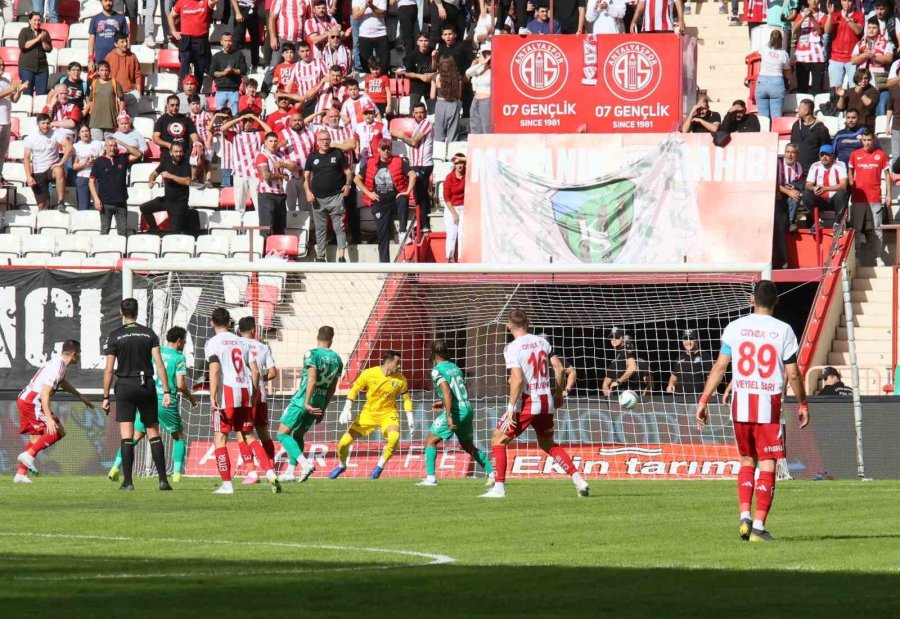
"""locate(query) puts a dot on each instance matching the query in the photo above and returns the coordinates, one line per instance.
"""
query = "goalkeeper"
(382, 385)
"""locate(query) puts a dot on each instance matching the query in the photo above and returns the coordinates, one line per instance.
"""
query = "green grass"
(634, 549)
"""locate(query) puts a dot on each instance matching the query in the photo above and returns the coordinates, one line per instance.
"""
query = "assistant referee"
(131, 350)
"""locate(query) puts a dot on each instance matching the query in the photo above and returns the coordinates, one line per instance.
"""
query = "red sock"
(223, 463)
(562, 458)
(259, 451)
(765, 490)
(269, 446)
(22, 470)
(246, 453)
(42, 443)
(745, 487)
(498, 461)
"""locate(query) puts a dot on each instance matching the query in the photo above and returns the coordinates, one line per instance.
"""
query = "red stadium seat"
(59, 34)
(226, 198)
(782, 125)
(285, 244)
(399, 86)
(10, 56)
(153, 151)
(14, 128)
(162, 220)
(168, 59)
(211, 103)
(403, 125)
(753, 60)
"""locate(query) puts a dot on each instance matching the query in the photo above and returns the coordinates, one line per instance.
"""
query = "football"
(627, 399)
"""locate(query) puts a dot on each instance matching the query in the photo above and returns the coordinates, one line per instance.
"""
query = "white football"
(627, 399)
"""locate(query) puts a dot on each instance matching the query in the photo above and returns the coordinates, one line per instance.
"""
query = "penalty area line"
(431, 558)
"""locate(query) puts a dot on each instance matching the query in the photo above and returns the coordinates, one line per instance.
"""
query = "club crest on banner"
(539, 70)
(595, 221)
(632, 71)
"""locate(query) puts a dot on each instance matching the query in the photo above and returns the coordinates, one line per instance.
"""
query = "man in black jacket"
(808, 134)
(832, 385)
(737, 120)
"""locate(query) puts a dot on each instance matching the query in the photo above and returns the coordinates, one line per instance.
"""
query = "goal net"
(406, 307)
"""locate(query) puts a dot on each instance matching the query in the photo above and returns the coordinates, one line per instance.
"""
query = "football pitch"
(75, 546)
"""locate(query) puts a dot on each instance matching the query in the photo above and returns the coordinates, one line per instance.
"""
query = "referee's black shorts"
(134, 395)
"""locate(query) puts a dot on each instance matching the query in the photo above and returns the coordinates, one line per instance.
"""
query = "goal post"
(404, 307)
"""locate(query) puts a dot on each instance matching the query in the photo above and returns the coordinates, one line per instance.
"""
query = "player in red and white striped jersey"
(308, 77)
(352, 109)
(296, 142)
(244, 139)
(260, 354)
(233, 383)
(657, 16)
(762, 350)
(317, 27)
(36, 417)
(531, 402)
(421, 148)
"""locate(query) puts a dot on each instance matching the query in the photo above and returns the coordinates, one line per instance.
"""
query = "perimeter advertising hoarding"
(622, 199)
(592, 84)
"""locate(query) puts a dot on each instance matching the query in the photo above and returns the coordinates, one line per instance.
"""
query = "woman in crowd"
(34, 43)
(479, 75)
(446, 89)
(775, 68)
(87, 151)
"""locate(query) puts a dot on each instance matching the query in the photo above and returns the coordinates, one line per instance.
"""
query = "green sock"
(430, 459)
(118, 461)
(484, 461)
(178, 449)
(291, 447)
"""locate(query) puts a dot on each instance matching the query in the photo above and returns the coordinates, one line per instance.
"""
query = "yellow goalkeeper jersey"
(381, 391)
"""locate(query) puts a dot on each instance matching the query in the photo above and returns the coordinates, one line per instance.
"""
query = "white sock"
(382, 461)
(430, 478)
(745, 515)
(270, 475)
(759, 524)
(302, 462)
(500, 486)
(578, 480)
(227, 485)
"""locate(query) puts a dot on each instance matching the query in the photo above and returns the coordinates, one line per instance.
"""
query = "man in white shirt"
(373, 39)
(826, 185)
(606, 16)
(43, 164)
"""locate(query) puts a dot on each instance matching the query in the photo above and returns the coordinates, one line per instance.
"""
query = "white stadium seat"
(203, 198)
(10, 246)
(19, 222)
(16, 150)
(209, 246)
(140, 193)
(143, 246)
(108, 247)
(52, 223)
(178, 246)
(163, 82)
(76, 246)
(251, 218)
(23, 105)
(144, 126)
(36, 246)
(239, 247)
(14, 172)
(222, 223)
(85, 223)
(140, 172)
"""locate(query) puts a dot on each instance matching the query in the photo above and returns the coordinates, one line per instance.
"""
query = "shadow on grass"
(320, 589)
(822, 538)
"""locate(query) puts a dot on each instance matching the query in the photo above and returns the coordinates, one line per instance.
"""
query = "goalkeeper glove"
(347, 413)
(410, 421)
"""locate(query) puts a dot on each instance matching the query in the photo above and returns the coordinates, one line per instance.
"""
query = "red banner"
(592, 84)
(667, 461)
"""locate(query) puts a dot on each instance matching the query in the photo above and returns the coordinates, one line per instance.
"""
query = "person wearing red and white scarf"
(809, 56)
(317, 27)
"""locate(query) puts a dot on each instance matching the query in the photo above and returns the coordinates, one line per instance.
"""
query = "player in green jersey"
(458, 417)
(321, 370)
(169, 416)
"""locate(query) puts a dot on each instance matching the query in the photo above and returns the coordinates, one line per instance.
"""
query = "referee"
(133, 349)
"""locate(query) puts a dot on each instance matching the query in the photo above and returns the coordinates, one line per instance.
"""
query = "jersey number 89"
(750, 358)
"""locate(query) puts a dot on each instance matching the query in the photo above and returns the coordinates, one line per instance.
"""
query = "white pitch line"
(433, 558)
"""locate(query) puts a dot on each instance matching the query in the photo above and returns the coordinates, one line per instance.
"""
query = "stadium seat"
(404, 106)
(27, 124)
(23, 106)
(226, 198)
(108, 247)
(286, 245)
(820, 100)
(250, 219)
(38, 103)
(140, 173)
(59, 34)
(239, 247)
(52, 223)
(69, 10)
(10, 55)
(399, 86)
(791, 101)
(162, 222)
(69, 54)
(203, 198)
(765, 124)
(222, 223)
(144, 126)
(11, 32)
(14, 129)
(209, 246)
(833, 123)
(10, 246)
(163, 82)
(153, 151)
(14, 172)
(143, 246)
(297, 220)
(19, 222)
(782, 125)
(881, 125)
(85, 223)
(76, 246)
(25, 200)
(16, 150)
(138, 194)
(178, 246)
(168, 60)
(89, 9)
(147, 106)
(146, 57)
(36, 246)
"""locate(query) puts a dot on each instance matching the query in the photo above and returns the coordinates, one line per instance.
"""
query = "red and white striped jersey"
(271, 160)
(289, 23)
(881, 46)
(340, 134)
(810, 47)
(245, 145)
(298, 145)
(352, 109)
(827, 177)
(235, 381)
(789, 172)
(307, 75)
(49, 375)
(758, 346)
(755, 11)
(421, 154)
(330, 96)
(201, 121)
(367, 132)
(531, 353)
(339, 56)
(261, 354)
(658, 16)
(317, 27)
(69, 111)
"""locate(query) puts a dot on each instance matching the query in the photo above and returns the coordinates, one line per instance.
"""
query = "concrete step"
(869, 320)
(880, 284)
(869, 296)
(866, 333)
(871, 359)
(862, 346)
(875, 272)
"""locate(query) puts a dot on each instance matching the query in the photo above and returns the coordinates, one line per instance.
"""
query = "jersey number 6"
(237, 359)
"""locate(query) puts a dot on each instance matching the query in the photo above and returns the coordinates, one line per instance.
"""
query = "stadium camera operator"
(832, 384)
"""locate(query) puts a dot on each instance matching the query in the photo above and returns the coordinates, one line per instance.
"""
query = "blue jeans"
(357, 63)
(228, 98)
(881, 108)
(792, 204)
(83, 193)
(52, 14)
(770, 95)
(836, 72)
(37, 82)
(226, 178)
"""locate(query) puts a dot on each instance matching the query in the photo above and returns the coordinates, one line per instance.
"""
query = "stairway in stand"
(721, 50)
